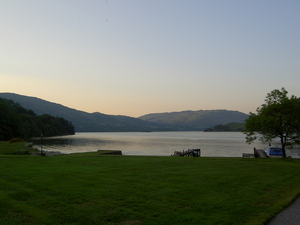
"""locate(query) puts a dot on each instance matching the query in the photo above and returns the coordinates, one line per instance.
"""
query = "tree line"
(16, 121)
(238, 127)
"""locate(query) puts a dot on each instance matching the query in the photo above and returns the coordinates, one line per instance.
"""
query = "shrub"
(16, 140)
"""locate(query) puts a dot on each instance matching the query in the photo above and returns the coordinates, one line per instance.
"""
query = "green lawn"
(99, 189)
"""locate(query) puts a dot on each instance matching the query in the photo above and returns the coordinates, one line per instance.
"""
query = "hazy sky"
(134, 57)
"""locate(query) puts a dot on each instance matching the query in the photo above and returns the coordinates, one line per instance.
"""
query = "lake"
(212, 144)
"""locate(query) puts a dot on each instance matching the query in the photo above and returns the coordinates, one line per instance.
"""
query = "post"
(42, 154)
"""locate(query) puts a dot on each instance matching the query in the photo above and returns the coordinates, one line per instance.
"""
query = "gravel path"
(289, 216)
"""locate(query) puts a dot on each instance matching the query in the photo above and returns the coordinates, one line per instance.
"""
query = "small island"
(233, 127)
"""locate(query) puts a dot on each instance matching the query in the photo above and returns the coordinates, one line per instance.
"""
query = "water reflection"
(217, 144)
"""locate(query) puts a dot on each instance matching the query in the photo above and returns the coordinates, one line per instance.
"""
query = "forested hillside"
(196, 120)
(99, 122)
(83, 121)
(16, 121)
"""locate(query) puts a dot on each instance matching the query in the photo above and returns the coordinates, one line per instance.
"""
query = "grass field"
(89, 188)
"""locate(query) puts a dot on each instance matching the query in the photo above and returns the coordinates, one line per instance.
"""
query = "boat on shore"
(271, 152)
(274, 152)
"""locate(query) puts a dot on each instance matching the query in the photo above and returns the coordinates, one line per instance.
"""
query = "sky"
(134, 57)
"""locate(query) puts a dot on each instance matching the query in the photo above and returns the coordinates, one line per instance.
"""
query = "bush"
(16, 140)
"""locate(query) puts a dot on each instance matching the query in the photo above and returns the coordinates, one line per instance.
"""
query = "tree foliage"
(16, 121)
(278, 117)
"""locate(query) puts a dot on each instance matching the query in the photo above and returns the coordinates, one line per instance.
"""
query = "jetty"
(258, 153)
(188, 153)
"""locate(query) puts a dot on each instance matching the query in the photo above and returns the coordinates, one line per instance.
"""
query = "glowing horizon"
(138, 57)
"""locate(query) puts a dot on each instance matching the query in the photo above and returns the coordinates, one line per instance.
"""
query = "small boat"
(274, 152)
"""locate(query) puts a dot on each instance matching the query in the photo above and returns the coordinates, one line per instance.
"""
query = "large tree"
(279, 118)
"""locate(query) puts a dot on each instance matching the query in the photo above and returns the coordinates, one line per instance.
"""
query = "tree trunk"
(283, 147)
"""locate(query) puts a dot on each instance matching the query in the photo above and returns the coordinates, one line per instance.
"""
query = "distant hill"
(196, 120)
(98, 122)
(83, 121)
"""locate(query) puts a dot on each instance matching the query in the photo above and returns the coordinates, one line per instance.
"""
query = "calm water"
(212, 144)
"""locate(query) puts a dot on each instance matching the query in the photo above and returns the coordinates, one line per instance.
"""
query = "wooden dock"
(258, 153)
(188, 153)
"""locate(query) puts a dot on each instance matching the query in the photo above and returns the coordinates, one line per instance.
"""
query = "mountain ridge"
(199, 119)
(83, 121)
(99, 122)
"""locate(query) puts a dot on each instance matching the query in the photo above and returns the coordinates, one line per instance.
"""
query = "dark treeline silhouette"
(16, 121)
(227, 127)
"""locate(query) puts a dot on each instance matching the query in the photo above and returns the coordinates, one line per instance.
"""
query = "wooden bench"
(248, 155)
